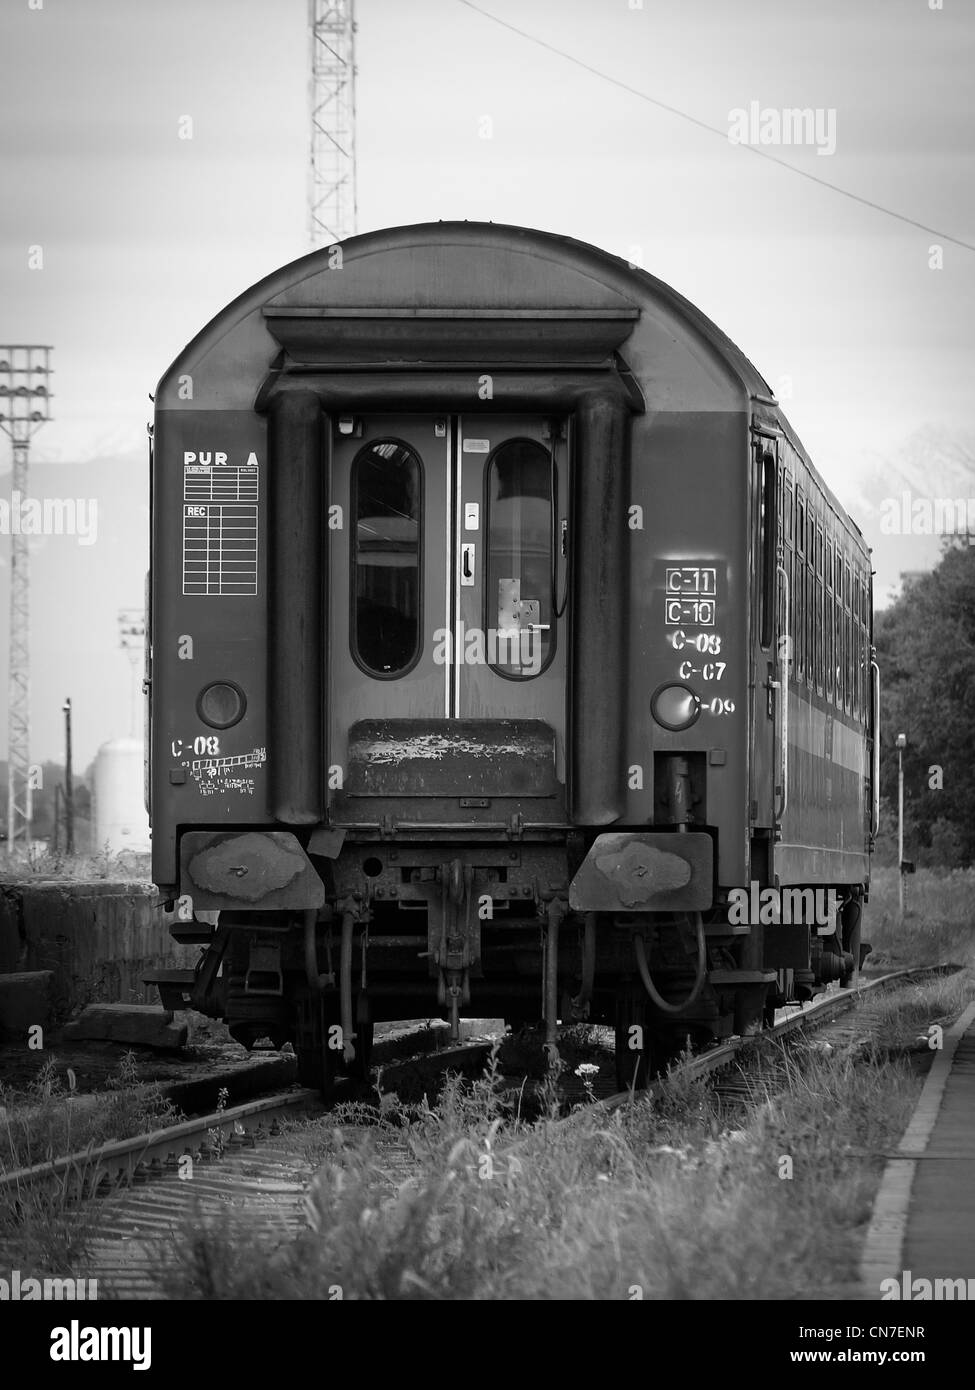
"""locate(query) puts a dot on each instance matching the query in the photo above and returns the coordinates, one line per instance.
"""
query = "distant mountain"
(901, 502)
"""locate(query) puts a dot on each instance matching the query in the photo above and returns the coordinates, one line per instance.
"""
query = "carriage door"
(511, 553)
(447, 573)
(389, 507)
(768, 624)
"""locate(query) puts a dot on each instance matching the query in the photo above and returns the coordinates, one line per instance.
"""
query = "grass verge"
(691, 1196)
(938, 924)
(39, 1229)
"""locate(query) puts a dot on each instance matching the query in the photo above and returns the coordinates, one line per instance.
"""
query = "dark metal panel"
(645, 872)
(786, 946)
(346, 337)
(296, 628)
(455, 757)
(600, 581)
(202, 630)
(260, 870)
(446, 390)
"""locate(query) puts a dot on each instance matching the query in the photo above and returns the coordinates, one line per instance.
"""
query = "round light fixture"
(221, 704)
(675, 707)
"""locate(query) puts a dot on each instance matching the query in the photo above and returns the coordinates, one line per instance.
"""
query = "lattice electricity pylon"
(132, 640)
(331, 185)
(25, 405)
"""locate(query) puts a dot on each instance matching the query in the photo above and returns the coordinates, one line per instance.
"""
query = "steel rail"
(820, 1012)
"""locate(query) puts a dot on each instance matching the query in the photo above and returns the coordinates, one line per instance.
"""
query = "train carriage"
(504, 642)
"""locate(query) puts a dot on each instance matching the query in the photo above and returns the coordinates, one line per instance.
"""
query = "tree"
(926, 650)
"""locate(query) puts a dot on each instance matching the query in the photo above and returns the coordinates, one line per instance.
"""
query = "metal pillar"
(132, 640)
(24, 407)
(332, 190)
(68, 782)
(901, 745)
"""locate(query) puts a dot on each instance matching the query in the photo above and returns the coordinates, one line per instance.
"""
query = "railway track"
(816, 1015)
(236, 1164)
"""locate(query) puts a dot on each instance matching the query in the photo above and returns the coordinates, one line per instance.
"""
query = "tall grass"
(40, 864)
(39, 1228)
(690, 1196)
(939, 921)
(47, 1120)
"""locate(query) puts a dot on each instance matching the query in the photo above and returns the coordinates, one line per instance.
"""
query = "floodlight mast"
(332, 171)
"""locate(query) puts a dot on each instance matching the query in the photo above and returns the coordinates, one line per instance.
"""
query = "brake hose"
(641, 964)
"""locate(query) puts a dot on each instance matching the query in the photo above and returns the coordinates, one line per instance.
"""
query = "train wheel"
(750, 1010)
(316, 1068)
(358, 1069)
(317, 1062)
(636, 1056)
(851, 918)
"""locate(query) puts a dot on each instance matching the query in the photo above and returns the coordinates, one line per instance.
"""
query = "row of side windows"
(830, 599)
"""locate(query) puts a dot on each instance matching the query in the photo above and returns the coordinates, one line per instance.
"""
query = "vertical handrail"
(785, 661)
(875, 769)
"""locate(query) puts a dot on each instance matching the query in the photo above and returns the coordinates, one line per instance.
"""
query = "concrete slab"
(142, 1025)
(26, 999)
(923, 1222)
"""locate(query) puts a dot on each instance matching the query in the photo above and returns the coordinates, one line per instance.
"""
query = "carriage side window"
(386, 503)
(829, 619)
(858, 630)
(864, 654)
(818, 615)
(798, 589)
(810, 599)
(840, 657)
(847, 634)
(767, 547)
(519, 574)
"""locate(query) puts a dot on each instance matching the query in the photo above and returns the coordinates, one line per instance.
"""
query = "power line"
(716, 130)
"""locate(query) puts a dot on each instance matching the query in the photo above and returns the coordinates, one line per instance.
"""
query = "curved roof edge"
(586, 257)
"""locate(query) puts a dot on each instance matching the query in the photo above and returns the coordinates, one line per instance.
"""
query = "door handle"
(467, 564)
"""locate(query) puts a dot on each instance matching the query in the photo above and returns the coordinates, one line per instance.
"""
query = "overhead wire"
(716, 130)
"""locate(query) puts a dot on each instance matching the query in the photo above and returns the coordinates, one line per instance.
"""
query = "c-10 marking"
(699, 611)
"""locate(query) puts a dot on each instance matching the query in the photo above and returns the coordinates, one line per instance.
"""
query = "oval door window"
(386, 507)
(518, 589)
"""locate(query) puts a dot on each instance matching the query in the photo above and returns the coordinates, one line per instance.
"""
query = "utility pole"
(901, 745)
(25, 405)
(68, 782)
(132, 640)
(331, 186)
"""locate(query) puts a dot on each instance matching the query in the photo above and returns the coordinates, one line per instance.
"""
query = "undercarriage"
(478, 929)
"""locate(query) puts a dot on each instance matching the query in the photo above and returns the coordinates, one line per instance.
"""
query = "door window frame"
(353, 529)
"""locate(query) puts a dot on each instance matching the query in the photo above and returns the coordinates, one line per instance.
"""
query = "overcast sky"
(145, 236)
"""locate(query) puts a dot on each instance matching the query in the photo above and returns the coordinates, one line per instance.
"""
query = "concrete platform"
(141, 1024)
(922, 1235)
(25, 1002)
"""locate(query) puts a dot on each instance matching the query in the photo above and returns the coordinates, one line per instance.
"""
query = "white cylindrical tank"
(119, 813)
